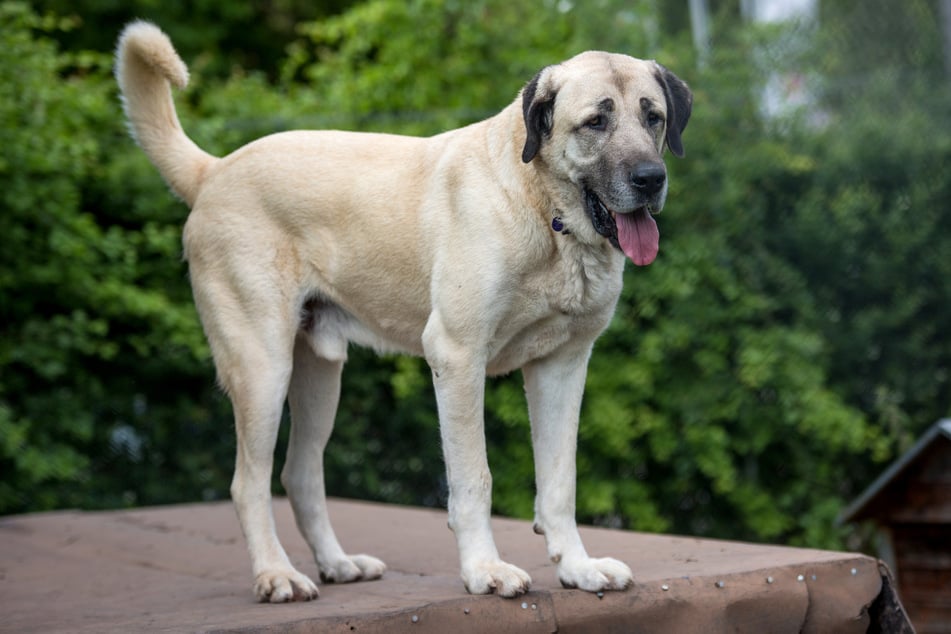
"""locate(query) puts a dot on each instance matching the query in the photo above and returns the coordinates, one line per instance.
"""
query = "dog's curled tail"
(146, 63)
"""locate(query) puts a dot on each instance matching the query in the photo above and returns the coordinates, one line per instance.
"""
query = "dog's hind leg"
(258, 400)
(313, 397)
(251, 332)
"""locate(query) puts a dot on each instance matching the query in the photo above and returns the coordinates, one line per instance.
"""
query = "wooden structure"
(911, 504)
(185, 569)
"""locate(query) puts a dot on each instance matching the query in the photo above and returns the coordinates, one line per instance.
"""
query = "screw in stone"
(813, 577)
(415, 619)
(665, 587)
(600, 595)
(769, 579)
(854, 572)
(534, 607)
(720, 584)
(524, 605)
(466, 611)
(800, 578)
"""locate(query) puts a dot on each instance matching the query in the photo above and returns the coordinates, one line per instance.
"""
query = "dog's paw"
(353, 568)
(283, 585)
(595, 575)
(496, 576)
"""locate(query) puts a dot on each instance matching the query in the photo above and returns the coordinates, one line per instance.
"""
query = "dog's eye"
(597, 122)
(654, 119)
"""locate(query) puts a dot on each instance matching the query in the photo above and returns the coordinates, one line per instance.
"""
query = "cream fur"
(301, 242)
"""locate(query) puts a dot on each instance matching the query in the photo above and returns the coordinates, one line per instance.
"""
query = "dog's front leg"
(554, 386)
(459, 379)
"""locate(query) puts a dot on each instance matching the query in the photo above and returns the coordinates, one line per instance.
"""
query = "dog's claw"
(595, 575)
(353, 568)
(504, 579)
(281, 586)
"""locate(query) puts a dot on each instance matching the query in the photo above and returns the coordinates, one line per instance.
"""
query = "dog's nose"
(648, 178)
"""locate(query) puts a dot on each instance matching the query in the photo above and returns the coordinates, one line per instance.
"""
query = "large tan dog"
(486, 249)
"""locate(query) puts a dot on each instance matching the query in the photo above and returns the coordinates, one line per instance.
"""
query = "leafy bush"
(99, 335)
(786, 343)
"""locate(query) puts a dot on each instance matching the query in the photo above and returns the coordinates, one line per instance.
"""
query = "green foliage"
(787, 342)
(370, 69)
(96, 321)
(217, 37)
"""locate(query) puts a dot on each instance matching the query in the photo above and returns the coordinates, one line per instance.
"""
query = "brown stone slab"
(185, 568)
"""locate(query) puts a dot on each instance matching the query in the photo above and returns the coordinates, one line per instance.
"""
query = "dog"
(486, 249)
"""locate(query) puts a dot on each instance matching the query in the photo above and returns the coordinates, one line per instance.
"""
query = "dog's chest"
(580, 280)
(573, 297)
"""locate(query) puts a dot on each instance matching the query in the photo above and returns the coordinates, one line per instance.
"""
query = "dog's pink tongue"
(638, 236)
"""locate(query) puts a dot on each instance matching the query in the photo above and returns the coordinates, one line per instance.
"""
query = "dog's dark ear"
(537, 108)
(679, 104)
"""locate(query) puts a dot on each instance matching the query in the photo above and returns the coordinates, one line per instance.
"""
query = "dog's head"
(596, 126)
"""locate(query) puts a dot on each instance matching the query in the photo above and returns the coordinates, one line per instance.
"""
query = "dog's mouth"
(634, 232)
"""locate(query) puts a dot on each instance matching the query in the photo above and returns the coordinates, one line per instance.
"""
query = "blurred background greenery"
(789, 341)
